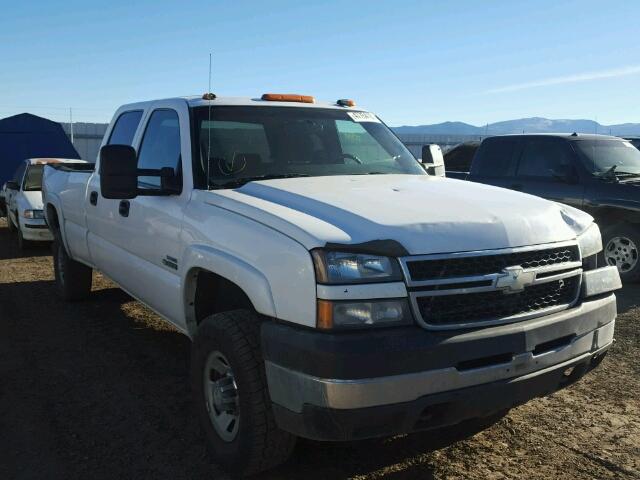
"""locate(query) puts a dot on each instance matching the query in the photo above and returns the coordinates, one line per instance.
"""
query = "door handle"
(516, 186)
(123, 208)
(93, 198)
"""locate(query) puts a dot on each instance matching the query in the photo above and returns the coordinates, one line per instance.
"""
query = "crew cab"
(599, 174)
(23, 199)
(332, 289)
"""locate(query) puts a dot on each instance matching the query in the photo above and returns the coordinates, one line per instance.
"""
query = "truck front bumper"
(35, 230)
(378, 383)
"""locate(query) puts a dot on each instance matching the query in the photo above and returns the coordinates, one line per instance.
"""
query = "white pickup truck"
(332, 289)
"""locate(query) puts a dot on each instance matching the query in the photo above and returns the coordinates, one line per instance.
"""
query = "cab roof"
(198, 101)
(568, 136)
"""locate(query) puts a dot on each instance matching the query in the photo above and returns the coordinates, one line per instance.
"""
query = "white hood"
(425, 214)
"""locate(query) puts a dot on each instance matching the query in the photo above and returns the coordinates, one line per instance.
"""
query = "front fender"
(254, 284)
(608, 211)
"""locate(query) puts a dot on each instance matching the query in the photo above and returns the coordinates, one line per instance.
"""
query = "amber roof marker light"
(288, 97)
(346, 102)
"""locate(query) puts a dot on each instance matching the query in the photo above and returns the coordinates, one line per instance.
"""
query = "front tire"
(73, 279)
(621, 248)
(22, 243)
(230, 389)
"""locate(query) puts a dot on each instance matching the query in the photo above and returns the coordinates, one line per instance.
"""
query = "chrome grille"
(472, 289)
(486, 264)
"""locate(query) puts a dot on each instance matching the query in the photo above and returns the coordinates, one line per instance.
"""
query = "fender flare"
(254, 284)
(54, 201)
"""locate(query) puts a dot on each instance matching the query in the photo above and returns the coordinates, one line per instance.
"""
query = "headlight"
(590, 241)
(342, 267)
(33, 214)
(372, 313)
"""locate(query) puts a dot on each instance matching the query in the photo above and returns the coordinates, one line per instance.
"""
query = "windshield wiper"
(614, 175)
(609, 174)
(238, 182)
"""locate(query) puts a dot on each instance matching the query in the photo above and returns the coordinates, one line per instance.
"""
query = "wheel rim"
(221, 396)
(621, 252)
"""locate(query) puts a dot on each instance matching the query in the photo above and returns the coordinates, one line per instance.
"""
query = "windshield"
(616, 157)
(33, 178)
(237, 144)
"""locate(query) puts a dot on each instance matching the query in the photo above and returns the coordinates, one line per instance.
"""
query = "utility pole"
(71, 123)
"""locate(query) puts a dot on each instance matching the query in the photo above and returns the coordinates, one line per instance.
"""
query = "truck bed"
(64, 186)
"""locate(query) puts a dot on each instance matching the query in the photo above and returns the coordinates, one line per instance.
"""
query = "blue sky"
(412, 62)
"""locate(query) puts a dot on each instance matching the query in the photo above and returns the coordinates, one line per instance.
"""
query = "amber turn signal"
(324, 316)
(288, 97)
(346, 102)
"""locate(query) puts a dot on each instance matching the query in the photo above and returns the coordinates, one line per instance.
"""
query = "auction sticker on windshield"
(363, 117)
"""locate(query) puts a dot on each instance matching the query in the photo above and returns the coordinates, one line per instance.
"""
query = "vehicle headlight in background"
(342, 268)
(33, 214)
(363, 313)
(590, 241)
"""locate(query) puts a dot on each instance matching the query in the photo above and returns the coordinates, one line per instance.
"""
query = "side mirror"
(432, 160)
(11, 185)
(118, 172)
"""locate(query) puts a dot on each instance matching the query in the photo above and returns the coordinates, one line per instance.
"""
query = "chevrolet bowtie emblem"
(514, 279)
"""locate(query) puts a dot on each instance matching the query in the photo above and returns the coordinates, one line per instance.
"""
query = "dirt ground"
(99, 389)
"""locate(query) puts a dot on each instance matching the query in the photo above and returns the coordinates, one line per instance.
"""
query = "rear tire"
(621, 248)
(238, 398)
(73, 279)
(10, 226)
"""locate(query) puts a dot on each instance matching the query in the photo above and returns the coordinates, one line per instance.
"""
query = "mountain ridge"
(520, 125)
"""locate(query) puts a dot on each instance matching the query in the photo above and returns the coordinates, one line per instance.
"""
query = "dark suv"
(596, 173)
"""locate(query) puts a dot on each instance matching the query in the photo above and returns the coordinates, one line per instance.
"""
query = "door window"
(545, 158)
(160, 146)
(125, 128)
(495, 157)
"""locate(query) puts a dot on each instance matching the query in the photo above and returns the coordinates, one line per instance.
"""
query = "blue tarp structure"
(29, 136)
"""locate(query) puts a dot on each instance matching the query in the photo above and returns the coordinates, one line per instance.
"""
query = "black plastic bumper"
(431, 411)
(402, 350)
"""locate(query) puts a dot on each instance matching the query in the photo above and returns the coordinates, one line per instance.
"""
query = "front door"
(547, 168)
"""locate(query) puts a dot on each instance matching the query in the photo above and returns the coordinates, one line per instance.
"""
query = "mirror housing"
(433, 160)
(118, 172)
(11, 185)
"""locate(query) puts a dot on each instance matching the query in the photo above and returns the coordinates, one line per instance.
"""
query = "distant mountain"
(446, 128)
(526, 125)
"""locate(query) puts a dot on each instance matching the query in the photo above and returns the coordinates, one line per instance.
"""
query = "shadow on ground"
(99, 389)
(90, 389)
(9, 245)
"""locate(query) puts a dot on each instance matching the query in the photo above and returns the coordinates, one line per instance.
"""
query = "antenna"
(209, 96)
(71, 123)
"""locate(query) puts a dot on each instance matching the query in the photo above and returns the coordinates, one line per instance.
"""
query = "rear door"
(495, 162)
(547, 168)
(102, 213)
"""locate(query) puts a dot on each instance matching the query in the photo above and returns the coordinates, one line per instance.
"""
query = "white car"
(23, 199)
(332, 289)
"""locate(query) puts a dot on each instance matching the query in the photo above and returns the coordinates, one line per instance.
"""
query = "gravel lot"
(99, 389)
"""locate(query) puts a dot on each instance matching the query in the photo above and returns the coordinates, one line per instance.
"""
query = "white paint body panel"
(425, 214)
